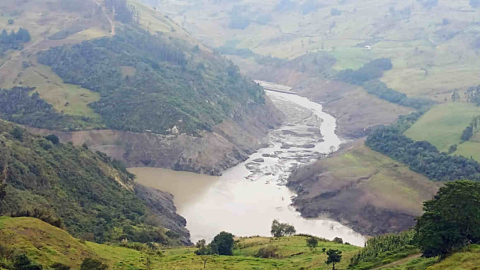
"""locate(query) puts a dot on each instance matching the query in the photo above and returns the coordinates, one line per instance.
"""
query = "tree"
(10, 21)
(92, 264)
(455, 95)
(222, 244)
(338, 240)
(22, 262)
(200, 243)
(312, 243)
(17, 133)
(467, 133)
(282, 229)
(3, 192)
(334, 257)
(59, 266)
(53, 138)
(205, 253)
(450, 219)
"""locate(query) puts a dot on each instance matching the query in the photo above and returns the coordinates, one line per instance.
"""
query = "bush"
(10, 21)
(22, 262)
(59, 266)
(43, 215)
(267, 252)
(338, 240)
(53, 138)
(92, 264)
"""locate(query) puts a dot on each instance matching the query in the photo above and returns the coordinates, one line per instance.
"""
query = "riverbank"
(248, 197)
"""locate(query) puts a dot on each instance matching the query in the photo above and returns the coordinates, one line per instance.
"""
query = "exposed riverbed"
(248, 197)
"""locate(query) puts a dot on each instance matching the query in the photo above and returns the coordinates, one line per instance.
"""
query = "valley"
(182, 134)
(247, 197)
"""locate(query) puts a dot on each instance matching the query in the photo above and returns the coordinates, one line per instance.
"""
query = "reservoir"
(248, 197)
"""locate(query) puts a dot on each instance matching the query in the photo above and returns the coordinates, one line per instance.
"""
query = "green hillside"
(93, 195)
(85, 67)
(443, 126)
(46, 244)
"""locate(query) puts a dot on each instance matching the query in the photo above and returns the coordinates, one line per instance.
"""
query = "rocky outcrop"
(161, 204)
(228, 144)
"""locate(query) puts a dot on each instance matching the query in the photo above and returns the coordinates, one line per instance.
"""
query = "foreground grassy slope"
(443, 125)
(47, 244)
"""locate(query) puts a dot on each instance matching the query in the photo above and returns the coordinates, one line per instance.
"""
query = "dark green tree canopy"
(92, 264)
(282, 229)
(451, 220)
(334, 257)
(222, 244)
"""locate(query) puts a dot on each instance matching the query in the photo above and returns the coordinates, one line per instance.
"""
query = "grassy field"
(47, 244)
(388, 184)
(443, 125)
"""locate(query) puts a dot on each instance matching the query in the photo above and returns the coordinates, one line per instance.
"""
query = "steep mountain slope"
(132, 70)
(94, 195)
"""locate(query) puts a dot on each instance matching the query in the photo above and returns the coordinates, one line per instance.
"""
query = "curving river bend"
(248, 197)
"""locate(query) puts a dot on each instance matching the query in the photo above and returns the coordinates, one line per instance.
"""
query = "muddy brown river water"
(248, 197)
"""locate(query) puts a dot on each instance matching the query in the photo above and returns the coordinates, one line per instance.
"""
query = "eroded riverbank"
(247, 197)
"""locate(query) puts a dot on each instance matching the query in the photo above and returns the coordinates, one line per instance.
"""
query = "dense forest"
(422, 157)
(14, 40)
(149, 82)
(92, 194)
(368, 75)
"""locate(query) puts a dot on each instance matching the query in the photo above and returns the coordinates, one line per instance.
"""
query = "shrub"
(92, 264)
(10, 21)
(338, 240)
(53, 138)
(267, 252)
(59, 266)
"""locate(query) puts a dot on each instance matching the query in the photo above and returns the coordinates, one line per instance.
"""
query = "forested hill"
(149, 82)
(114, 65)
(91, 195)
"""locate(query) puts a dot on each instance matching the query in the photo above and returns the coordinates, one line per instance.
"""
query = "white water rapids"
(248, 197)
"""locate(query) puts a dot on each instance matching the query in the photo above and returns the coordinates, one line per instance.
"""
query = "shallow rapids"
(248, 197)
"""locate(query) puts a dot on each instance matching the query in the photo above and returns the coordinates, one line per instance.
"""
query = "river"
(248, 197)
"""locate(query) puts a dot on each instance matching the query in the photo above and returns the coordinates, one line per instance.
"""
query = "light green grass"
(388, 183)
(464, 260)
(443, 125)
(47, 244)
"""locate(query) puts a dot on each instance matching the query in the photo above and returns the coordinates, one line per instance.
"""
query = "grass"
(47, 244)
(387, 184)
(443, 125)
